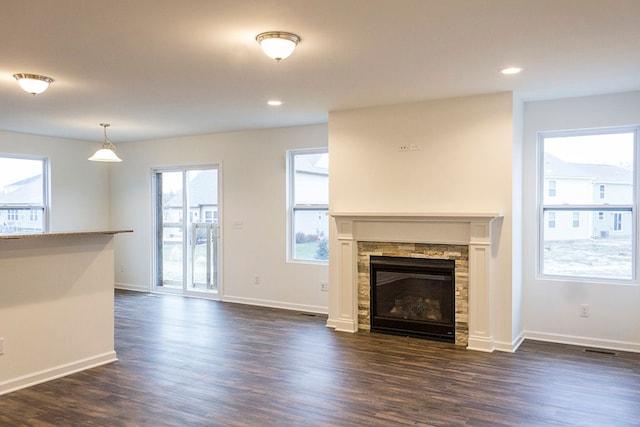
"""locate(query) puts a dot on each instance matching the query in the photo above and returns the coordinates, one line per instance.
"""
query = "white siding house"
(587, 184)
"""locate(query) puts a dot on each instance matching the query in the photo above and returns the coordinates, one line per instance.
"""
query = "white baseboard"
(25, 381)
(276, 304)
(350, 326)
(483, 344)
(129, 287)
(510, 347)
(583, 341)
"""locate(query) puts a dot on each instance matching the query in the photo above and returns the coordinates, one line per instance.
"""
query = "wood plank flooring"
(192, 362)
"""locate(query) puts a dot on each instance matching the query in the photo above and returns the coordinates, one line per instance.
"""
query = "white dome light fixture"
(108, 151)
(34, 84)
(278, 44)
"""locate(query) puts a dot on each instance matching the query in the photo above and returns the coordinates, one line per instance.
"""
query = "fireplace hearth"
(413, 297)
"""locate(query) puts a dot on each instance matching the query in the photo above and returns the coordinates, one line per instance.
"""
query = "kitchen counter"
(56, 305)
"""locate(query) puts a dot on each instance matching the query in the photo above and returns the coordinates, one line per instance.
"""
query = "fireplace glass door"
(413, 296)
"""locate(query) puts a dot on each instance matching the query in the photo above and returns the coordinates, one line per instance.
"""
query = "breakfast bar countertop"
(62, 234)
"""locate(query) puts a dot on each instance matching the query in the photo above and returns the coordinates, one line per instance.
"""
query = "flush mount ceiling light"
(278, 44)
(510, 70)
(108, 151)
(33, 83)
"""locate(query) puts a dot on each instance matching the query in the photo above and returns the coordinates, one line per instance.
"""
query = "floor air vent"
(600, 351)
(307, 314)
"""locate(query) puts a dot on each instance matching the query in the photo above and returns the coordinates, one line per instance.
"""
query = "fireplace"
(413, 297)
(467, 238)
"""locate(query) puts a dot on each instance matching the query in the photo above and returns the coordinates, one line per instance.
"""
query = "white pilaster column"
(344, 316)
(480, 326)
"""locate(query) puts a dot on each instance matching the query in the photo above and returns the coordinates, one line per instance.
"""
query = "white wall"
(79, 188)
(253, 178)
(463, 164)
(552, 308)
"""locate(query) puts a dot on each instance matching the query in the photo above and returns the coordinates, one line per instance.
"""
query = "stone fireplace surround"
(457, 253)
(467, 229)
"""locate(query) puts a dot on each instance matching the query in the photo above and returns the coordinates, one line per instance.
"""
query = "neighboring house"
(202, 201)
(16, 214)
(587, 184)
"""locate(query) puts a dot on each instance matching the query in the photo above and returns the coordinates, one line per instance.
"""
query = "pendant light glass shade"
(278, 44)
(33, 83)
(107, 153)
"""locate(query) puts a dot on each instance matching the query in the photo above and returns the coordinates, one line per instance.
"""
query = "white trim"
(130, 287)
(583, 341)
(29, 380)
(275, 304)
(510, 347)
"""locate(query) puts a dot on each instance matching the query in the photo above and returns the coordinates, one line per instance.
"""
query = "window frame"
(292, 208)
(43, 208)
(594, 208)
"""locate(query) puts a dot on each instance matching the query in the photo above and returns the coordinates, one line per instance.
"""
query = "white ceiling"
(162, 68)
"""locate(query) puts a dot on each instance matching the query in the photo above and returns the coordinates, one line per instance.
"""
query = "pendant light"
(278, 44)
(108, 151)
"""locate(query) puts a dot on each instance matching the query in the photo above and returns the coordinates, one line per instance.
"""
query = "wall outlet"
(1, 346)
(403, 147)
(414, 147)
(324, 286)
(256, 280)
(584, 310)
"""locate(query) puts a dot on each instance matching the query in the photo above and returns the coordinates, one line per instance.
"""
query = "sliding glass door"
(187, 231)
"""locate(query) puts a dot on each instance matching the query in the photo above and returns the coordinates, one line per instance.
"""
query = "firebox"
(413, 297)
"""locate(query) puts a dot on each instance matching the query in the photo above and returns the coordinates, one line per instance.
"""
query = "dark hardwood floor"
(192, 362)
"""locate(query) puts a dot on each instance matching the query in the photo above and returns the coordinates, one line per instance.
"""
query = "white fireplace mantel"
(461, 228)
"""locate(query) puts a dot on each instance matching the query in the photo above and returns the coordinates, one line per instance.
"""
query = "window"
(617, 221)
(308, 200)
(12, 215)
(576, 220)
(552, 188)
(576, 232)
(23, 194)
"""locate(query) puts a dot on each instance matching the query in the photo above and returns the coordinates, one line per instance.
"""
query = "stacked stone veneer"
(458, 253)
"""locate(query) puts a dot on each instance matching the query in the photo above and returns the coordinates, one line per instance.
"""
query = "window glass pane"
(607, 253)
(311, 234)
(22, 195)
(21, 181)
(311, 179)
(589, 169)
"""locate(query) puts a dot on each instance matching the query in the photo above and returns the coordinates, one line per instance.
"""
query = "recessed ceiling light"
(510, 70)
(274, 103)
